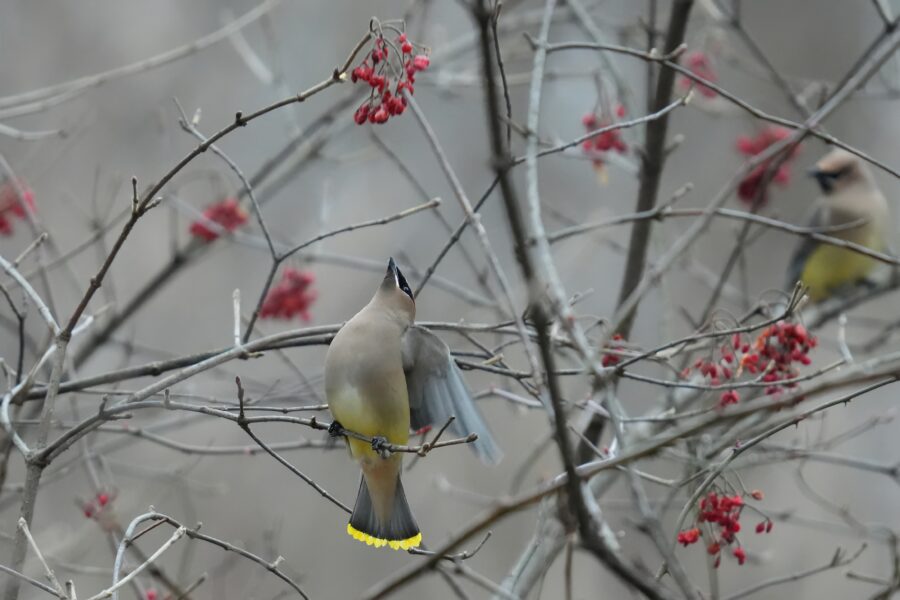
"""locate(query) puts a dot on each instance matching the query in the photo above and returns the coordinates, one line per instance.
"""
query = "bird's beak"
(392, 267)
(823, 178)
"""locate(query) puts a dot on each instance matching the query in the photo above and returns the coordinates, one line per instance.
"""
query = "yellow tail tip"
(370, 540)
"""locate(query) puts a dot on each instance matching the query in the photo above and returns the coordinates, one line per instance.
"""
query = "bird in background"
(849, 195)
(383, 375)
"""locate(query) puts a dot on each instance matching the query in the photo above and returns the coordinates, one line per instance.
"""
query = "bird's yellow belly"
(830, 267)
(386, 417)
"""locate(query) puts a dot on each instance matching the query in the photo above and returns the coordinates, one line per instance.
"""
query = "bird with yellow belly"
(849, 195)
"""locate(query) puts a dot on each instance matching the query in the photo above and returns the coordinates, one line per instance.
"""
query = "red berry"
(291, 296)
(361, 114)
(688, 536)
(227, 214)
(381, 115)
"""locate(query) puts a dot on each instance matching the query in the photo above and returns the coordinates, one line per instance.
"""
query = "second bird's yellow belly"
(830, 267)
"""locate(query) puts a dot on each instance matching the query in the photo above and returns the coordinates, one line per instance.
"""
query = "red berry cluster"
(383, 104)
(227, 213)
(293, 295)
(601, 143)
(699, 64)
(14, 205)
(749, 188)
(91, 508)
(773, 354)
(609, 359)
(782, 345)
(723, 513)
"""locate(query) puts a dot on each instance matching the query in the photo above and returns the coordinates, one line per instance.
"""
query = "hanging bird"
(383, 375)
(849, 195)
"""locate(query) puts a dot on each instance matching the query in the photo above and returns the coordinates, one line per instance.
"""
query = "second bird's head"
(395, 294)
(838, 170)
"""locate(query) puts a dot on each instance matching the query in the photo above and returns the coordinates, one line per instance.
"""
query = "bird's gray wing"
(437, 391)
(804, 250)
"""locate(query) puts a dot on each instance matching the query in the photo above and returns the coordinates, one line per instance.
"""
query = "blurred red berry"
(740, 555)
(689, 536)
(381, 115)
(151, 594)
(601, 143)
(227, 213)
(291, 297)
(699, 64)
(12, 204)
(362, 113)
(729, 397)
(102, 498)
(750, 188)
(608, 360)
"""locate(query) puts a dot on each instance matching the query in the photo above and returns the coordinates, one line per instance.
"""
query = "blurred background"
(129, 127)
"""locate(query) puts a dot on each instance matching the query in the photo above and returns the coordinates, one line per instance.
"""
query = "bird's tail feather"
(399, 532)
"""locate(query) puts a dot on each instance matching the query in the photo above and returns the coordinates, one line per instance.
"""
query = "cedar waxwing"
(384, 375)
(849, 195)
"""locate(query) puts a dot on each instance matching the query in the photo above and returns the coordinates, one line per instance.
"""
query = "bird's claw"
(380, 445)
(335, 429)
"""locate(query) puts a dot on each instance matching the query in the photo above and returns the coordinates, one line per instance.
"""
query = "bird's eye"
(836, 174)
(840, 173)
(401, 283)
